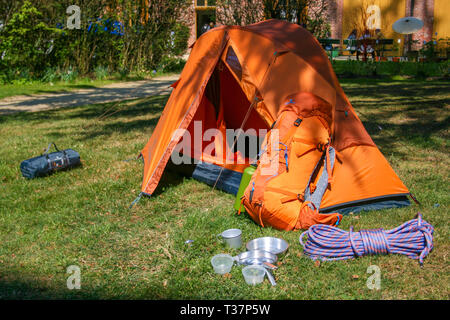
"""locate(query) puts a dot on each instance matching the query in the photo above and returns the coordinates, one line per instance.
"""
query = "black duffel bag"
(48, 163)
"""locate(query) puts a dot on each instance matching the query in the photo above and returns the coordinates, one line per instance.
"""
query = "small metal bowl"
(273, 245)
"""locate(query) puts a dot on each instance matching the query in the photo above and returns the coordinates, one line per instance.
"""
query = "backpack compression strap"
(315, 196)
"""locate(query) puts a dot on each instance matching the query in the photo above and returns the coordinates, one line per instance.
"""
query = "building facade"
(344, 15)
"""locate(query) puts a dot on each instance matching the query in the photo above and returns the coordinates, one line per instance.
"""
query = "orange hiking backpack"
(294, 168)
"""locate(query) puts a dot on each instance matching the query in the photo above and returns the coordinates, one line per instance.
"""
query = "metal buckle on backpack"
(297, 122)
(321, 147)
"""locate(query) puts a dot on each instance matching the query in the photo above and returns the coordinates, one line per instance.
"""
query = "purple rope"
(413, 239)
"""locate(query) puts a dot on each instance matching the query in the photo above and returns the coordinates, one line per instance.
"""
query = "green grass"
(81, 217)
(38, 87)
(391, 70)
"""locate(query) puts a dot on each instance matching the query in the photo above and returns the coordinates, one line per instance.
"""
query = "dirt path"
(109, 93)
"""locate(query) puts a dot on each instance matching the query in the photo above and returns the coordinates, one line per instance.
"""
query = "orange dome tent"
(240, 76)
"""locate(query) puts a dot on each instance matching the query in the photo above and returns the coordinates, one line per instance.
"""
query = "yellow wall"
(441, 23)
(390, 11)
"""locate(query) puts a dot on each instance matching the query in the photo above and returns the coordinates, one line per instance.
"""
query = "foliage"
(238, 12)
(435, 49)
(316, 20)
(291, 10)
(311, 14)
(354, 68)
(51, 74)
(116, 35)
(179, 37)
(171, 64)
(101, 72)
(25, 41)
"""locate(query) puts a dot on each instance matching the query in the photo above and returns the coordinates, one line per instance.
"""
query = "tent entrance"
(216, 124)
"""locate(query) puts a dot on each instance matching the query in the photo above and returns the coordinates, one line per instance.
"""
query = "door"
(203, 19)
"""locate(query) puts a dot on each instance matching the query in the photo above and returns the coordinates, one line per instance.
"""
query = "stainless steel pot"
(273, 245)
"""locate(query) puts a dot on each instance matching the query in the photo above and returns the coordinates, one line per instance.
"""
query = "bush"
(355, 68)
(6, 76)
(420, 70)
(171, 64)
(444, 69)
(179, 37)
(101, 72)
(69, 75)
(25, 41)
(51, 74)
(36, 39)
(123, 73)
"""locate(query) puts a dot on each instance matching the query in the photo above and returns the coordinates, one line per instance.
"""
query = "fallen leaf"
(299, 254)
(167, 253)
(317, 263)
(165, 283)
(227, 275)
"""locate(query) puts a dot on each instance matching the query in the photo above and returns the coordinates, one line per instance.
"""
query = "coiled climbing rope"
(414, 239)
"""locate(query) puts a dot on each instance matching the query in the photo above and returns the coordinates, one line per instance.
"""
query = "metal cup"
(232, 237)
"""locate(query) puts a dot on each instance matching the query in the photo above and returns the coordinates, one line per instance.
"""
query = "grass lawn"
(37, 87)
(389, 69)
(81, 217)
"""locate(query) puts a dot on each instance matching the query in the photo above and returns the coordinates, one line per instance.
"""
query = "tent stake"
(136, 200)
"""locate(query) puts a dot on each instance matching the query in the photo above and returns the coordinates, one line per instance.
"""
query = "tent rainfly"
(238, 77)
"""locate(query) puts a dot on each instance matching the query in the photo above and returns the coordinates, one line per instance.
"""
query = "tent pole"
(255, 100)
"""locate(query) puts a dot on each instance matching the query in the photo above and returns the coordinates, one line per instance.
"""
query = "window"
(206, 3)
(233, 61)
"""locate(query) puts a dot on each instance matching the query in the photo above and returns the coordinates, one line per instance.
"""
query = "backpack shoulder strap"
(315, 197)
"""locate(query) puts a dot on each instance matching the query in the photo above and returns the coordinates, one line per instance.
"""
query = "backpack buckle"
(297, 122)
(321, 147)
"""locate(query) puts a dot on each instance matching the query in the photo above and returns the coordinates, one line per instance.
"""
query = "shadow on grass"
(33, 289)
(411, 112)
(422, 107)
(18, 290)
(69, 88)
(101, 119)
(174, 175)
(110, 123)
(17, 284)
(95, 95)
